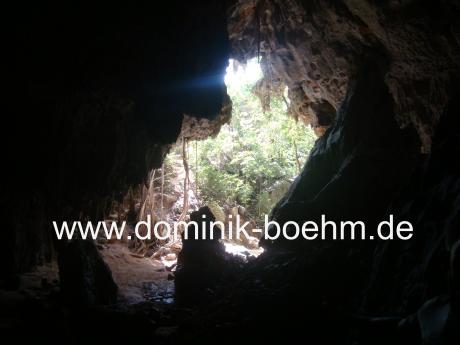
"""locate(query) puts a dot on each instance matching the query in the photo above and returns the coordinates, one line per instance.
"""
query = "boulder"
(199, 264)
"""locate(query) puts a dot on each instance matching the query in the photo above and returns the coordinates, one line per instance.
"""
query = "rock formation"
(96, 94)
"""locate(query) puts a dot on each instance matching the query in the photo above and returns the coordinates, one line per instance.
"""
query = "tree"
(254, 157)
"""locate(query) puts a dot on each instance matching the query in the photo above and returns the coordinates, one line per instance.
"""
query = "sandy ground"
(139, 279)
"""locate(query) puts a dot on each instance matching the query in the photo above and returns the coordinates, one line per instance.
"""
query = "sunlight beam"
(235, 77)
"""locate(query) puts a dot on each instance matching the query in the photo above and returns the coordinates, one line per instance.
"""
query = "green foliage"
(252, 156)
(267, 199)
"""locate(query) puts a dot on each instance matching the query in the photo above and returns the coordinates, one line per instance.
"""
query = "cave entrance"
(243, 169)
(254, 158)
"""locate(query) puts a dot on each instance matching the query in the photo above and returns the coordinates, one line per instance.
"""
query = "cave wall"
(314, 47)
(96, 95)
(378, 81)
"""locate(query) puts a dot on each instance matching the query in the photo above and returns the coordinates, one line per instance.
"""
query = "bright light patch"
(237, 75)
(242, 251)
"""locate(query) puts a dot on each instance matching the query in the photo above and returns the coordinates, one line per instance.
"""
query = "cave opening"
(241, 169)
(127, 117)
(250, 164)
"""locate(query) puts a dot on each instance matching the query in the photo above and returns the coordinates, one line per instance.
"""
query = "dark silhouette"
(200, 262)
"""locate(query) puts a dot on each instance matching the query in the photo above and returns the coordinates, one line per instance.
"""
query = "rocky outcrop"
(344, 169)
(200, 261)
(195, 128)
(431, 202)
(314, 47)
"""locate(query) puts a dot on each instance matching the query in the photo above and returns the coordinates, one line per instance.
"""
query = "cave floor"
(139, 279)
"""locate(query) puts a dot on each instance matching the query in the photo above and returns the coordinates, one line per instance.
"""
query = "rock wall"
(96, 95)
(314, 47)
(387, 73)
